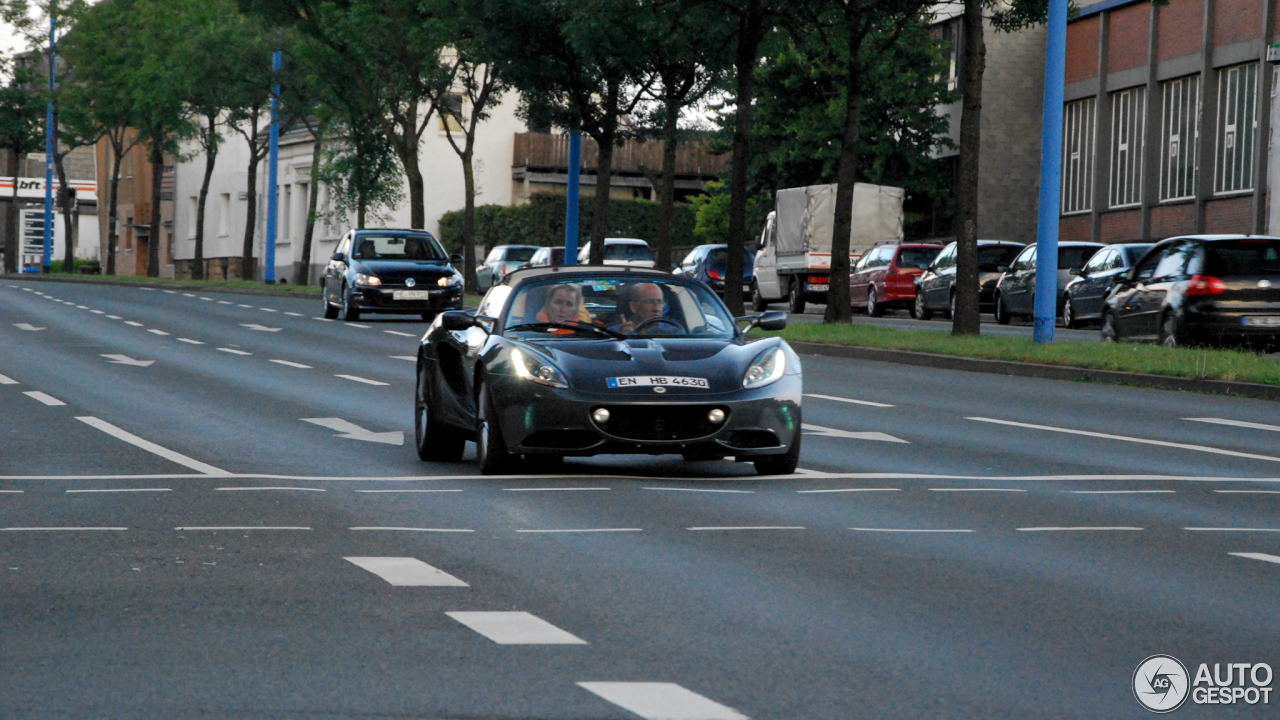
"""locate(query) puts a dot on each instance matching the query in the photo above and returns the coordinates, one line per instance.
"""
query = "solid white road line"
(151, 447)
(241, 527)
(116, 490)
(410, 358)
(291, 364)
(745, 492)
(233, 489)
(1125, 438)
(845, 490)
(1205, 529)
(750, 527)
(1258, 556)
(158, 332)
(366, 381)
(975, 490)
(1120, 492)
(515, 628)
(407, 491)
(406, 572)
(61, 529)
(7, 381)
(235, 352)
(10, 492)
(46, 399)
(661, 701)
(1057, 529)
(1237, 423)
(849, 400)
(409, 529)
(401, 334)
(189, 341)
(562, 489)
(910, 530)
(1249, 492)
(583, 530)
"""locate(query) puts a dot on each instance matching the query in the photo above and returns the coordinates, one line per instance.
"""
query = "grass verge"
(1198, 363)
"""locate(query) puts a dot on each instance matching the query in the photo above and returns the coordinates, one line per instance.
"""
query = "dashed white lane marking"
(116, 490)
(224, 302)
(1237, 423)
(397, 332)
(1249, 492)
(235, 352)
(294, 314)
(151, 447)
(147, 289)
(11, 492)
(189, 294)
(126, 360)
(240, 527)
(321, 319)
(515, 628)
(406, 572)
(408, 491)
(1072, 529)
(206, 298)
(1258, 556)
(189, 341)
(849, 400)
(233, 489)
(1126, 438)
(1208, 529)
(351, 431)
(409, 529)
(268, 310)
(172, 292)
(291, 364)
(366, 381)
(133, 323)
(845, 490)
(582, 530)
(244, 306)
(97, 312)
(1120, 492)
(560, 489)
(113, 317)
(83, 307)
(7, 381)
(911, 530)
(61, 529)
(410, 358)
(701, 490)
(28, 327)
(750, 527)
(46, 399)
(260, 328)
(820, 431)
(158, 332)
(976, 490)
(357, 325)
(661, 701)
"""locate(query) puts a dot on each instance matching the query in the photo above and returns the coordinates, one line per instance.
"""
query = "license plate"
(814, 287)
(1262, 321)
(411, 295)
(651, 380)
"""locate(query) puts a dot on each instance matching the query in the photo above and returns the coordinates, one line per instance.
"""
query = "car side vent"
(753, 439)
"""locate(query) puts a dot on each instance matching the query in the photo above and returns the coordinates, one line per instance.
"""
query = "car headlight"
(371, 280)
(535, 369)
(449, 281)
(766, 369)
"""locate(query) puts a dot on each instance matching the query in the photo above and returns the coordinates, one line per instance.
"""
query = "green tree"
(21, 131)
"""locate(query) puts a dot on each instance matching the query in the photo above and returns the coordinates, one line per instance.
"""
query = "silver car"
(501, 261)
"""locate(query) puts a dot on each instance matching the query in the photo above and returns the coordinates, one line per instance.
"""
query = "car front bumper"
(383, 300)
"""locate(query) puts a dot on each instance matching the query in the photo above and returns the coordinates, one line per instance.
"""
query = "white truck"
(793, 260)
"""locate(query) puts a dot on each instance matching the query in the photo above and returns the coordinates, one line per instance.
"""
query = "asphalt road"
(241, 529)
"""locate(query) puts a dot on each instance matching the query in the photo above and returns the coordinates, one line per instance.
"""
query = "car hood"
(397, 271)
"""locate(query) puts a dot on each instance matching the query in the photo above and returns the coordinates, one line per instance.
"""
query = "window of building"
(949, 35)
(224, 214)
(286, 215)
(1128, 116)
(1077, 156)
(450, 110)
(193, 207)
(1181, 126)
(1237, 127)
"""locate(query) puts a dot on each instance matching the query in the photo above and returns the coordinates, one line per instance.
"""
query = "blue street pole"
(46, 263)
(1055, 61)
(273, 164)
(571, 204)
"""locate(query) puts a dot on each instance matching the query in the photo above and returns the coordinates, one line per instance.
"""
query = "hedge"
(541, 222)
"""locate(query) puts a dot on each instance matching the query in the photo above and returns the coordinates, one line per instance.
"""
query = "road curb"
(162, 285)
(1036, 370)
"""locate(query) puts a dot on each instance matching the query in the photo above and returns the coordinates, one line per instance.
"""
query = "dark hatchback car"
(707, 263)
(1082, 300)
(935, 290)
(1016, 291)
(1214, 289)
(390, 271)
(884, 277)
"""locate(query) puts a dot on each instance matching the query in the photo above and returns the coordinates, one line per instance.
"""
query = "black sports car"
(578, 361)
(390, 271)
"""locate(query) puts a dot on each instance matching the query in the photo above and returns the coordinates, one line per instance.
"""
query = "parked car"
(588, 360)
(707, 263)
(628, 252)
(1016, 291)
(546, 256)
(1082, 299)
(1200, 289)
(389, 271)
(935, 289)
(885, 276)
(502, 260)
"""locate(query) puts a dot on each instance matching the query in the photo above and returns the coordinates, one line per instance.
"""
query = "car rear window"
(917, 257)
(520, 254)
(993, 257)
(627, 252)
(1242, 257)
(1074, 257)
(719, 257)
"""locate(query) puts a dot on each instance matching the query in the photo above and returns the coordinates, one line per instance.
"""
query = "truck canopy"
(806, 218)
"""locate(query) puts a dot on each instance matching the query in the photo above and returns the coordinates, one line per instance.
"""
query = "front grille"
(561, 439)
(661, 422)
(753, 439)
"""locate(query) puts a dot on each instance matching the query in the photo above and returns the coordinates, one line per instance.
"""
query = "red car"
(885, 276)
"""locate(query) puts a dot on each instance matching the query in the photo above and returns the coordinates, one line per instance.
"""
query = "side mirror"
(456, 320)
(337, 257)
(1076, 271)
(455, 258)
(768, 320)
(1002, 268)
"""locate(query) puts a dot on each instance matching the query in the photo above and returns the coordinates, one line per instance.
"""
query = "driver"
(646, 302)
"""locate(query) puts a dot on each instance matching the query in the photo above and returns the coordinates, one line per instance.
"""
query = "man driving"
(645, 302)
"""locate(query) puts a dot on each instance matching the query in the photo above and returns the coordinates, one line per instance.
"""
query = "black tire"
(330, 312)
(874, 308)
(1170, 335)
(349, 312)
(783, 464)
(428, 316)
(795, 297)
(919, 310)
(757, 300)
(951, 306)
(491, 449)
(434, 441)
(1069, 319)
(1110, 333)
(1002, 313)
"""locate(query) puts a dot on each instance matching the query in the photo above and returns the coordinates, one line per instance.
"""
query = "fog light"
(716, 416)
(600, 415)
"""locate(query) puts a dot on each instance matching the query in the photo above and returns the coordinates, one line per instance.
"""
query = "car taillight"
(714, 274)
(1205, 285)
(816, 279)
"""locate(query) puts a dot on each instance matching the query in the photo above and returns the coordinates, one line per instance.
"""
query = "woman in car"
(563, 304)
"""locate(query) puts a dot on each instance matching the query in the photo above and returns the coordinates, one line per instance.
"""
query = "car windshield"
(557, 256)
(404, 246)
(520, 254)
(1243, 257)
(1136, 252)
(993, 257)
(719, 257)
(595, 307)
(627, 251)
(917, 257)
(1074, 257)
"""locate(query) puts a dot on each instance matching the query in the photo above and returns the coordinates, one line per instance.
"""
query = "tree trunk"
(247, 270)
(838, 308)
(211, 156)
(12, 239)
(966, 320)
(604, 177)
(666, 213)
(68, 245)
(113, 238)
(469, 217)
(748, 47)
(157, 177)
(407, 149)
(303, 276)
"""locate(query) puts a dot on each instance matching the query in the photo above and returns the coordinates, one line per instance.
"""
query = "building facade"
(133, 210)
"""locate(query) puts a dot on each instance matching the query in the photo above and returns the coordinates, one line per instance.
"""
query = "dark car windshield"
(1242, 257)
(519, 254)
(993, 257)
(717, 258)
(917, 257)
(397, 247)
(559, 308)
(1136, 252)
(627, 251)
(1074, 257)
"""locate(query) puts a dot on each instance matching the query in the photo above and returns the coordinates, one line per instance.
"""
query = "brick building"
(1166, 123)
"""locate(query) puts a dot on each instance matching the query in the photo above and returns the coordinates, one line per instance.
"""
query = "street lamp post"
(46, 262)
(273, 190)
(1046, 300)
(571, 202)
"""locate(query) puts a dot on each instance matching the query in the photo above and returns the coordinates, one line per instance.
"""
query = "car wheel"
(491, 450)
(795, 299)
(330, 312)
(783, 464)
(434, 441)
(874, 308)
(1170, 336)
(1069, 320)
(349, 311)
(757, 300)
(951, 306)
(1002, 313)
(919, 310)
(1110, 333)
